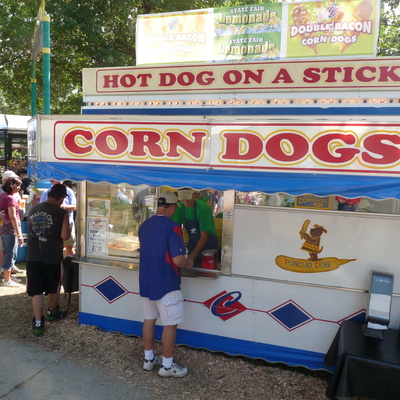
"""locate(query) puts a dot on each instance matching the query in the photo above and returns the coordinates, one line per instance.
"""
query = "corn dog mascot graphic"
(312, 245)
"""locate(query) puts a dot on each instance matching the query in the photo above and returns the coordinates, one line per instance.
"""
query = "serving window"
(309, 201)
(113, 216)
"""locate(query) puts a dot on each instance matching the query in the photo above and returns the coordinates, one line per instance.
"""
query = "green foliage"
(389, 32)
(99, 33)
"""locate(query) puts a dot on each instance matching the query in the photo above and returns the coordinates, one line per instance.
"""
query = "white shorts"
(72, 239)
(169, 308)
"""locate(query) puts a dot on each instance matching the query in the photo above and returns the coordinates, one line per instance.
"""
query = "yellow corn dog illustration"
(307, 266)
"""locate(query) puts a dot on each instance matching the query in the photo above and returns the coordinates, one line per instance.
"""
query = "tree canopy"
(100, 33)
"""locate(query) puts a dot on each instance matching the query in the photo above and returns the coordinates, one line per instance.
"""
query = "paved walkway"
(29, 373)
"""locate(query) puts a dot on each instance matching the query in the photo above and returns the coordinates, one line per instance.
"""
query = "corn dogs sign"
(381, 73)
(353, 147)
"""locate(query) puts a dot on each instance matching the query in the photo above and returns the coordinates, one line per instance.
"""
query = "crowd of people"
(163, 252)
(50, 237)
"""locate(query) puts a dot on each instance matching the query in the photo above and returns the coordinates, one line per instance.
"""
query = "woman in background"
(10, 231)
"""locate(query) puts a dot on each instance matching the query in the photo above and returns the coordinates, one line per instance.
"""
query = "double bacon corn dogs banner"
(261, 32)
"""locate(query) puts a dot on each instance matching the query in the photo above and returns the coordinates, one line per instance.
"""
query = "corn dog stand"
(315, 142)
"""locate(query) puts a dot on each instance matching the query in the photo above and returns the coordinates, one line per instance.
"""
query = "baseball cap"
(59, 190)
(185, 194)
(167, 198)
(8, 174)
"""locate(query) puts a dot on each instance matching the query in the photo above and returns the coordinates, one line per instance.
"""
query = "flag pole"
(33, 79)
(46, 64)
(41, 44)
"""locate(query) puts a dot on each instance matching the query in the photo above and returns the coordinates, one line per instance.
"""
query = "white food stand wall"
(252, 305)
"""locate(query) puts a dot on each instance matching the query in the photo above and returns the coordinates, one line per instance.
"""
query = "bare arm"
(182, 262)
(65, 230)
(67, 207)
(200, 244)
(17, 228)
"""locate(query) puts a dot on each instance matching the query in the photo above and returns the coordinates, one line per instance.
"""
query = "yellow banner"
(259, 32)
(332, 28)
(174, 37)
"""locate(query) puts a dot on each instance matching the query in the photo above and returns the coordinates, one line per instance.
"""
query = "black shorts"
(42, 278)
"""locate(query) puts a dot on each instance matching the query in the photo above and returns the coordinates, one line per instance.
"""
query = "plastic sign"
(354, 147)
(381, 73)
(259, 32)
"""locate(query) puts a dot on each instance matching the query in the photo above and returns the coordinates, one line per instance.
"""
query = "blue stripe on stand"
(233, 347)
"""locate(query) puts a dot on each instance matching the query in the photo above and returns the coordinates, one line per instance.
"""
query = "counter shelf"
(107, 262)
(134, 265)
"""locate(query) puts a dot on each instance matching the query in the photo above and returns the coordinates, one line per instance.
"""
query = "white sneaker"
(148, 365)
(11, 283)
(16, 270)
(176, 370)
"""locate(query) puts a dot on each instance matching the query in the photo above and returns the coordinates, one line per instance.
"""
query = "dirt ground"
(212, 376)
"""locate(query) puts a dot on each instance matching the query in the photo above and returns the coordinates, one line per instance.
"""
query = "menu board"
(97, 236)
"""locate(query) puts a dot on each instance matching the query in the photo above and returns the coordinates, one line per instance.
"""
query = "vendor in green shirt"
(197, 218)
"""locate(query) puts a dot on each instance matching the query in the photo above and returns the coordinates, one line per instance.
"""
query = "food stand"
(315, 141)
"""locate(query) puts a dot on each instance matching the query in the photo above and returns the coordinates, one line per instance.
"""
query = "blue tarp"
(376, 187)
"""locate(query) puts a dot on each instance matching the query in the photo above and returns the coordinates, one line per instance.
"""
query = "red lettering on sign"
(232, 77)
(202, 80)
(72, 139)
(360, 74)
(287, 147)
(146, 139)
(389, 74)
(348, 74)
(186, 78)
(144, 79)
(111, 142)
(167, 79)
(331, 148)
(110, 81)
(178, 141)
(242, 146)
(128, 80)
(385, 153)
(331, 73)
(311, 75)
(284, 76)
(251, 76)
(379, 147)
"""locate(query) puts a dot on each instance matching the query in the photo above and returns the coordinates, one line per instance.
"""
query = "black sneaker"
(55, 314)
(38, 330)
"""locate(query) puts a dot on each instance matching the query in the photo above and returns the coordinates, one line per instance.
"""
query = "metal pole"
(46, 64)
(33, 86)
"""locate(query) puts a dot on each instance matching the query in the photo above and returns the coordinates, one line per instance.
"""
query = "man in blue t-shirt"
(162, 253)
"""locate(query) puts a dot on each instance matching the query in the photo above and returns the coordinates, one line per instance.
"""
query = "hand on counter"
(182, 262)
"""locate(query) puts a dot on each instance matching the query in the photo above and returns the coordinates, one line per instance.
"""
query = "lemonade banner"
(261, 32)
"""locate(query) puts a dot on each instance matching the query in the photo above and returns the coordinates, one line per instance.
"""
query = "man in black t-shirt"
(48, 227)
(26, 181)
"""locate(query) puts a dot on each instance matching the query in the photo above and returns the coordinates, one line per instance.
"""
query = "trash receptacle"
(21, 254)
(70, 280)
